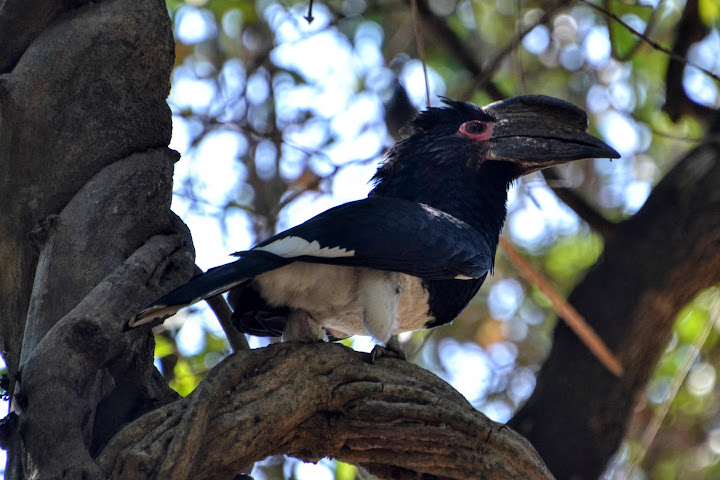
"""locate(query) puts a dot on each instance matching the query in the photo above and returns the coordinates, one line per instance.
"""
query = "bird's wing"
(380, 233)
(386, 234)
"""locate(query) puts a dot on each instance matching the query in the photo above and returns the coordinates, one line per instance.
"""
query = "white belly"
(349, 301)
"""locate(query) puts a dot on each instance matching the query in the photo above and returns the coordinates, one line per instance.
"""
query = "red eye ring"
(476, 130)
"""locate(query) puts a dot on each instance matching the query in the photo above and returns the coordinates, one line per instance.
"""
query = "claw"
(392, 349)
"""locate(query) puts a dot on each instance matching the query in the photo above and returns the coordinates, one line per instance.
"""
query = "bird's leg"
(391, 349)
(302, 327)
(379, 294)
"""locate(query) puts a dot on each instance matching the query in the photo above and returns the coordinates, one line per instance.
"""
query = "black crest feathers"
(454, 112)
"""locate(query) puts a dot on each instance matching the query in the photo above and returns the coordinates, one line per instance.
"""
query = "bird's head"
(530, 132)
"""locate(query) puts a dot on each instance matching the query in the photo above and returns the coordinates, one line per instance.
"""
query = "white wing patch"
(290, 247)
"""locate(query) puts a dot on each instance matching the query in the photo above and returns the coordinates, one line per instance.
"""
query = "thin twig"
(223, 313)
(421, 47)
(482, 78)
(581, 208)
(651, 42)
(648, 30)
(309, 17)
(567, 312)
(456, 47)
(656, 421)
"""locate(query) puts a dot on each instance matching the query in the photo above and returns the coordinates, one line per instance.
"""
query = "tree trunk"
(653, 265)
(85, 231)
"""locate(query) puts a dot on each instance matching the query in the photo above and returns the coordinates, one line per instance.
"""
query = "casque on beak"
(536, 131)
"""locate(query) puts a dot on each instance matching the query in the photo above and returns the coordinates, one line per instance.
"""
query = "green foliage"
(164, 347)
(623, 40)
(568, 258)
(345, 471)
(185, 379)
(709, 12)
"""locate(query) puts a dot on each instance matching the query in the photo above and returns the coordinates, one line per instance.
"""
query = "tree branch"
(318, 400)
(222, 311)
(690, 29)
(660, 259)
(456, 47)
(85, 356)
(582, 208)
(22, 20)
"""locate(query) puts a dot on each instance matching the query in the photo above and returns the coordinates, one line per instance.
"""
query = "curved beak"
(536, 131)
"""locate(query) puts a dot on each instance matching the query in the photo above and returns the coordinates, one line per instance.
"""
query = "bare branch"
(690, 29)
(222, 311)
(566, 311)
(580, 206)
(318, 400)
(649, 41)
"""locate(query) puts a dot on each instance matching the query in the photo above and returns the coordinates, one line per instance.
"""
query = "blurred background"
(278, 118)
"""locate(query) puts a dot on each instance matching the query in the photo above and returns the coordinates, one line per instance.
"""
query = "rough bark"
(312, 401)
(86, 177)
(652, 266)
(70, 107)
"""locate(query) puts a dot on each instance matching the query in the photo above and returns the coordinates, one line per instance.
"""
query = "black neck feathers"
(438, 173)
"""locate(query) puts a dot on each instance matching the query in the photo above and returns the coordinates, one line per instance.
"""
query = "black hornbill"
(414, 253)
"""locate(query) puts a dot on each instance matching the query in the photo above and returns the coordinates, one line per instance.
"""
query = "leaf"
(344, 471)
(622, 39)
(691, 321)
(185, 379)
(163, 347)
(709, 12)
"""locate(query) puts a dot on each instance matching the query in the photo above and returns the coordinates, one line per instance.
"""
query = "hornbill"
(414, 253)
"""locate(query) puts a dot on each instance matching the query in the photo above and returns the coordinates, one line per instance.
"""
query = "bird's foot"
(392, 349)
(301, 327)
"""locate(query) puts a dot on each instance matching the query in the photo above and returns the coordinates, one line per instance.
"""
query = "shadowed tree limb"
(690, 29)
(312, 401)
(222, 311)
(659, 260)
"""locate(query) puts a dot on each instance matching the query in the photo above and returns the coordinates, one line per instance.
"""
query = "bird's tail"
(215, 281)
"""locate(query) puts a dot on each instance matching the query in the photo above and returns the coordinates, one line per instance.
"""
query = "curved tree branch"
(85, 357)
(318, 400)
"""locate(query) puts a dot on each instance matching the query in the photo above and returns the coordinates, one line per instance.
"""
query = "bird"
(414, 253)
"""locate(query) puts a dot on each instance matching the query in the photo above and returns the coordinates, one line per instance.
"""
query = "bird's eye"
(475, 128)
